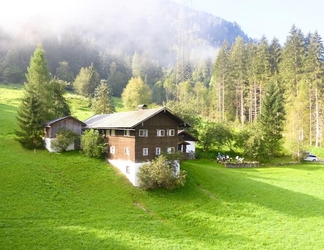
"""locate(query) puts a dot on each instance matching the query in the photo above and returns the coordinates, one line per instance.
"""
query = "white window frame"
(170, 150)
(143, 133)
(170, 132)
(112, 149)
(126, 151)
(126, 132)
(145, 151)
(160, 132)
(158, 151)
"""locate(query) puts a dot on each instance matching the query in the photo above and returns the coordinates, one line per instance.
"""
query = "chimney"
(142, 106)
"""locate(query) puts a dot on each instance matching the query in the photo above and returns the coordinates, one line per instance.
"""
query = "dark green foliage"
(43, 100)
(38, 72)
(29, 121)
(271, 120)
(86, 81)
(161, 173)
(212, 134)
(102, 102)
(92, 144)
(63, 72)
(55, 105)
(13, 74)
(63, 139)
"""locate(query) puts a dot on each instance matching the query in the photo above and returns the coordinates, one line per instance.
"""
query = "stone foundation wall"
(241, 165)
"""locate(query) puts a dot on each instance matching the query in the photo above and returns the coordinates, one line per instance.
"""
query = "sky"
(272, 18)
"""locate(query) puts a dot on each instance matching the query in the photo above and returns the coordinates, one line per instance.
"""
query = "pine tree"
(38, 72)
(220, 80)
(102, 103)
(237, 61)
(292, 74)
(275, 51)
(29, 121)
(314, 77)
(271, 119)
(56, 105)
(43, 100)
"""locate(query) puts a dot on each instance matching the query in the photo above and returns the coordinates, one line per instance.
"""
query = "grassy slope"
(67, 201)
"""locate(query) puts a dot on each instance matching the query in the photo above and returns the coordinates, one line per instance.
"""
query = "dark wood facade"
(68, 123)
(149, 139)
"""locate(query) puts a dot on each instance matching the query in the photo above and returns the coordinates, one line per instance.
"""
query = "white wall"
(133, 169)
(191, 147)
(48, 145)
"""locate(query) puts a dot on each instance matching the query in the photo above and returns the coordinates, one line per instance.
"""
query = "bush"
(161, 173)
(63, 139)
(92, 143)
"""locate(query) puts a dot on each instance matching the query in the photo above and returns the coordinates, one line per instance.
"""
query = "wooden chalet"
(136, 137)
(51, 128)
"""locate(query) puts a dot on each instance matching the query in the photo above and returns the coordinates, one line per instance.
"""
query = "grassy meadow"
(69, 201)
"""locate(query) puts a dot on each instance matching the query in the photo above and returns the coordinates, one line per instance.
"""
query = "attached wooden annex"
(51, 128)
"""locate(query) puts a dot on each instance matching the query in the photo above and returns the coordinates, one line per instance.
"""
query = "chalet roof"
(187, 136)
(129, 119)
(49, 123)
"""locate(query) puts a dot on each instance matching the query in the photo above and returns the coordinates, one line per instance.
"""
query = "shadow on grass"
(237, 186)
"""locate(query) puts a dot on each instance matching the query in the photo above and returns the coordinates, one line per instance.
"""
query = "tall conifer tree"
(43, 100)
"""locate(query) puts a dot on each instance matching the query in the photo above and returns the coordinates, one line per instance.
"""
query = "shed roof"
(187, 136)
(129, 119)
(51, 122)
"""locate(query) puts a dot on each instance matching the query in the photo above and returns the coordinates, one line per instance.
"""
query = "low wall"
(241, 165)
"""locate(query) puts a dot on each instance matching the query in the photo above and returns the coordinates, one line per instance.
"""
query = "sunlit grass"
(69, 201)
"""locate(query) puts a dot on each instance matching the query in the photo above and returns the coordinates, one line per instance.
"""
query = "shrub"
(92, 143)
(63, 139)
(161, 173)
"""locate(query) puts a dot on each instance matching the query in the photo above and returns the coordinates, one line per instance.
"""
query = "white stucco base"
(48, 145)
(191, 147)
(130, 169)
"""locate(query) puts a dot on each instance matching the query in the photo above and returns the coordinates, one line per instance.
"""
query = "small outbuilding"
(51, 128)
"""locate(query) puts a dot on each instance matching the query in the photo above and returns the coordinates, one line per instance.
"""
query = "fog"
(127, 25)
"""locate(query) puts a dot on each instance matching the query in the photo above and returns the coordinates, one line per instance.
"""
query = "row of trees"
(235, 91)
(244, 71)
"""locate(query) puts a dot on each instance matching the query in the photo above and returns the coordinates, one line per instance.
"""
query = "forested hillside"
(111, 32)
(258, 95)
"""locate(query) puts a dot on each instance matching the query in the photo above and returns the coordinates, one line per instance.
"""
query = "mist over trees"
(234, 83)
(121, 40)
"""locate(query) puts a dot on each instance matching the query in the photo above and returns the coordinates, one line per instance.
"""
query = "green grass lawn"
(69, 201)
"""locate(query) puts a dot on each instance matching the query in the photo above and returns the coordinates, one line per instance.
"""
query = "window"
(170, 132)
(143, 133)
(160, 132)
(170, 150)
(157, 151)
(127, 169)
(107, 132)
(126, 151)
(113, 132)
(145, 151)
(127, 132)
(112, 149)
